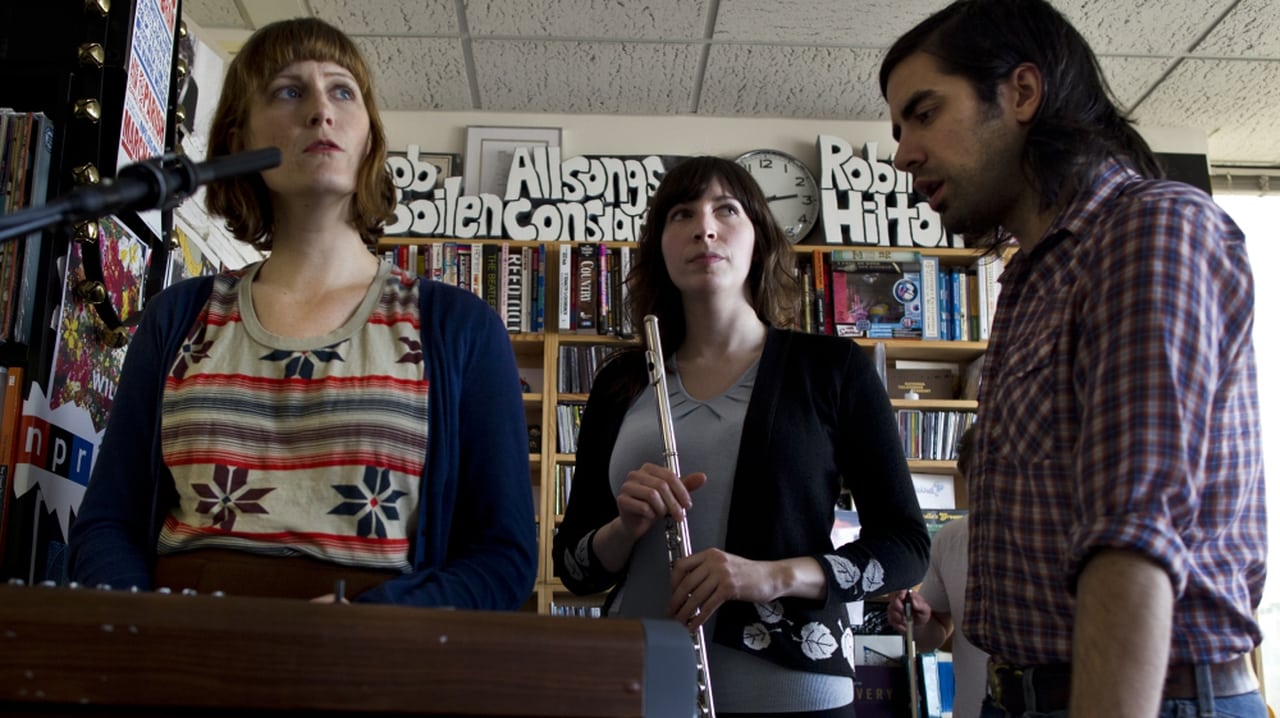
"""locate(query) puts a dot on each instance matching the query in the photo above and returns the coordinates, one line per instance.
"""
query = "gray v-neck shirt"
(708, 435)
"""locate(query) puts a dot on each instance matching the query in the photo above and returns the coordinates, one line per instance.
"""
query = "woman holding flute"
(771, 425)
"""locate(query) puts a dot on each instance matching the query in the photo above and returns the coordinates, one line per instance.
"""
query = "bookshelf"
(539, 357)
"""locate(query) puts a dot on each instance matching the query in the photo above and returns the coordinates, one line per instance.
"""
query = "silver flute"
(677, 531)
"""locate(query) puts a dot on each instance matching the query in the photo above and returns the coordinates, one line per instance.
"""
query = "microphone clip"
(171, 178)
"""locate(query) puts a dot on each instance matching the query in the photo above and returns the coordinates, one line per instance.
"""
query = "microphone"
(162, 182)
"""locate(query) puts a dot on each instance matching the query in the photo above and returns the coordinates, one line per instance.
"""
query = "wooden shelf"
(927, 350)
(932, 467)
(935, 404)
(585, 338)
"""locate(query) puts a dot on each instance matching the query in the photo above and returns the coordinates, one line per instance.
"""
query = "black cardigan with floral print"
(818, 420)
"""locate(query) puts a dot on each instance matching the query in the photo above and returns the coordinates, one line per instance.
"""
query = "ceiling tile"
(1251, 29)
(774, 81)
(1251, 142)
(259, 13)
(214, 13)
(1131, 77)
(1141, 27)
(1227, 98)
(591, 77)
(416, 73)
(597, 19)
(774, 58)
(390, 17)
(869, 23)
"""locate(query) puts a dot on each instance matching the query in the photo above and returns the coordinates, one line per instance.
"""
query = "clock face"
(789, 187)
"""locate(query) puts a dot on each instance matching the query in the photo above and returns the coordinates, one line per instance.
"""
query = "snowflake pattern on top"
(193, 351)
(413, 353)
(227, 497)
(374, 504)
(299, 363)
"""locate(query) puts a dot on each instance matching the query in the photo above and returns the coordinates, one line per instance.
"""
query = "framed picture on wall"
(410, 168)
(489, 151)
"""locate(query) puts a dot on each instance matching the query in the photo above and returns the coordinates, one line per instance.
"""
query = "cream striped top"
(289, 446)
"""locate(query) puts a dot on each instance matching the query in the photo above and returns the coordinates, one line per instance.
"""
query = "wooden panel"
(84, 649)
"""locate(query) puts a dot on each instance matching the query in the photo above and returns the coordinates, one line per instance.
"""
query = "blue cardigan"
(475, 545)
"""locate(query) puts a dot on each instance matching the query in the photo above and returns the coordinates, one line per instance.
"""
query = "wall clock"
(789, 187)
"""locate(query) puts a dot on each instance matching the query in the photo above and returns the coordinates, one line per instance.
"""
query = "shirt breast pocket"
(1022, 404)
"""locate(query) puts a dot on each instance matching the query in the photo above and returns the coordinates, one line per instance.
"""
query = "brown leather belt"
(1046, 688)
(239, 573)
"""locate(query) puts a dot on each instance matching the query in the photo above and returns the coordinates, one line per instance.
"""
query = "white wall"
(1259, 217)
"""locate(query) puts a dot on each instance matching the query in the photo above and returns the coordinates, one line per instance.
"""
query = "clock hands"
(777, 197)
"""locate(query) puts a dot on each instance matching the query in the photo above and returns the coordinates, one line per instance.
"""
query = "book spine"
(10, 422)
(540, 283)
(38, 192)
(586, 272)
(616, 308)
(603, 298)
(511, 288)
(564, 285)
(806, 299)
(492, 275)
(930, 312)
(477, 269)
(526, 288)
(956, 277)
(994, 269)
(624, 292)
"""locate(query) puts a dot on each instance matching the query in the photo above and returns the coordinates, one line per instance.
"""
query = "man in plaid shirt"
(1118, 540)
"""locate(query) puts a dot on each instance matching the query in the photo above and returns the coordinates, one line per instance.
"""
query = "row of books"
(932, 435)
(897, 295)
(26, 151)
(568, 420)
(593, 295)
(564, 484)
(511, 278)
(581, 607)
(849, 293)
(578, 364)
(927, 435)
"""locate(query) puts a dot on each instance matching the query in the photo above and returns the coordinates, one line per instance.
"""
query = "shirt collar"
(1108, 181)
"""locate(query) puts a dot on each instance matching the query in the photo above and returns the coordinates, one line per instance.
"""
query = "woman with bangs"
(321, 424)
(771, 425)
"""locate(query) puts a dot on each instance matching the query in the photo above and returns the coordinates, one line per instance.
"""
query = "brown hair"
(244, 201)
(773, 287)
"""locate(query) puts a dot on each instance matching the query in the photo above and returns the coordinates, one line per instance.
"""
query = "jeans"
(1245, 705)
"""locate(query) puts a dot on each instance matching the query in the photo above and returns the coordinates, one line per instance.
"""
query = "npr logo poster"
(55, 452)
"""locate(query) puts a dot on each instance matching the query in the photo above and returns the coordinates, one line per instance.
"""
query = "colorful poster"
(142, 128)
(60, 433)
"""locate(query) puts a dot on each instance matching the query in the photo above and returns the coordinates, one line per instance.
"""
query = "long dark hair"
(1078, 122)
(772, 285)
